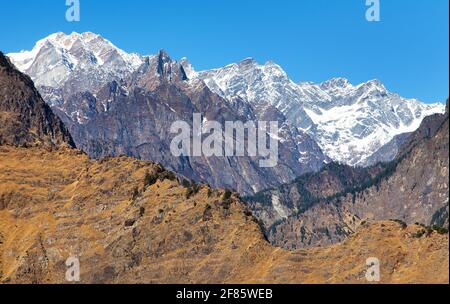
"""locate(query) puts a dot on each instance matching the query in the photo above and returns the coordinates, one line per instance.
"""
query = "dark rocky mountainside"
(402, 143)
(328, 206)
(25, 119)
(429, 127)
(275, 205)
(134, 116)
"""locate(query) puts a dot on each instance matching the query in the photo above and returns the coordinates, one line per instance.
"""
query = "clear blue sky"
(313, 40)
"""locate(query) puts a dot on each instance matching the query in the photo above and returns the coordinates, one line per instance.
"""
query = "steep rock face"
(25, 119)
(428, 129)
(273, 206)
(403, 143)
(134, 117)
(126, 229)
(412, 188)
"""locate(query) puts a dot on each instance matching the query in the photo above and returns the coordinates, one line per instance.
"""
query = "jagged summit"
(336, 82)
(188, 68)
(25, 119)
(59, 59)
(247, 61)
(164, 55)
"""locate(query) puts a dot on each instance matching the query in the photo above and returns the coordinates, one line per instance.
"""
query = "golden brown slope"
(56, 204)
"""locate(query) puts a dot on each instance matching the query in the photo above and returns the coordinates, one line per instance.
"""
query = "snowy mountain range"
(112, 110)
(349, 122)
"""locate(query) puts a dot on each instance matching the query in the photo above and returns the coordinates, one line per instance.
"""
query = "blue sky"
(313, 40)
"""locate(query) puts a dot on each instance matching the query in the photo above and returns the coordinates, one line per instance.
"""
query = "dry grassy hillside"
(58, 203)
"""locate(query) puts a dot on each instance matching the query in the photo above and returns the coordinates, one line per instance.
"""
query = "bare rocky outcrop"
(25, 119)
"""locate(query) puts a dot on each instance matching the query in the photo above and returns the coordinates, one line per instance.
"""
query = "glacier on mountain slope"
(349, 122)
(55, 58)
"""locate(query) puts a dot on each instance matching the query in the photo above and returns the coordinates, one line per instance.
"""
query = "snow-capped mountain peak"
(372, 86)
(54, 59)
(188, 68)
(336, 87)
(249, 61)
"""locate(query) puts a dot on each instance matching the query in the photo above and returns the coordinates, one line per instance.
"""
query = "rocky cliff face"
(412, 188)
(273, 206)
(25, 119)
(134, 117)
